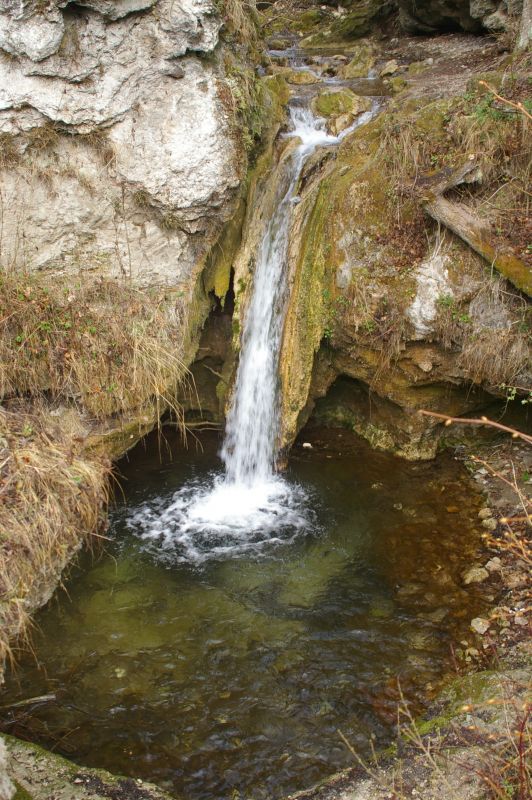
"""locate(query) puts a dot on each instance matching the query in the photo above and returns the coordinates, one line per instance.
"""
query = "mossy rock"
(494, 79)
(362, 61)
(300, 77)
(40, 775)
(308, 21)
(397, 84)
(332, 104)
(417, 68)
(357, 22)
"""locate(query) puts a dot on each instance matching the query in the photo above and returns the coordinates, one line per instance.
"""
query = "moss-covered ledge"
(38, 774)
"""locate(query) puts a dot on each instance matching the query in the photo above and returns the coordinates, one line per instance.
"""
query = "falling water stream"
(238, 617)
(250, 507)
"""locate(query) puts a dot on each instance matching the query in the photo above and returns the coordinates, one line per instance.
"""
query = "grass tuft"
(492, 333)
(9, 153)
(51, 500)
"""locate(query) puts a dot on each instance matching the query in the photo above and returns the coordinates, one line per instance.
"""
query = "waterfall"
(252, 424)
(249, 507)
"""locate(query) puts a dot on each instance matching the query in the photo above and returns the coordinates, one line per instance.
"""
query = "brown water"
(229, 678)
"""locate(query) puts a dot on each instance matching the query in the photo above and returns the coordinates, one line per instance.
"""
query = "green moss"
(362, 61)
(473, 689)
(308, 20)
(332, 104)
(494, 79)
(217, 273)
(300, 77)
(398, 84)
(21, 794)
(417, 68)
(259, 101)
(357, 22)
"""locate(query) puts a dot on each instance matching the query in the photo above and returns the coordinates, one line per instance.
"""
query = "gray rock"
(429, 16)
(159, 160)
(115, 9)
(7, 789)
(494, 564)
(481, 8)
(490, 524)
(480, 625)
(484, 513)
(475, 575)
(390, 68)
(35, 37)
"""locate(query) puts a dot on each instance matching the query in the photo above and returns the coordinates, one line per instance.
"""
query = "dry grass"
(240, 17)
(101, 348)
(51, 500)
(103, 344)
(99, 141)
(9, 152)
(43, 137)
(492, 333)
(493, 758)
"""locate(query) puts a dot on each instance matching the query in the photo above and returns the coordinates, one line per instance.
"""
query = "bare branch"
(515, 434)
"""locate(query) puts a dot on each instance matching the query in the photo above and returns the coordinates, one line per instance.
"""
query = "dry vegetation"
(104, 344)
(491, 327)
(51, 500)
(437, 138)
(95, 348)
(491, 332)
(240, 17)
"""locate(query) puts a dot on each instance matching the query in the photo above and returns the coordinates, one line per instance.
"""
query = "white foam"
(222, 519)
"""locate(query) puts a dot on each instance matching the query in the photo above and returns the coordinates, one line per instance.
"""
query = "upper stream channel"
(237, 618)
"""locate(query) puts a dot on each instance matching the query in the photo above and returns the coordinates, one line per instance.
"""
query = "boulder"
(429, 16)
(359, 18)
(390, 68)
(363, 59)
(129, 155)
(335, 103)
(300, 77)
(480, 625)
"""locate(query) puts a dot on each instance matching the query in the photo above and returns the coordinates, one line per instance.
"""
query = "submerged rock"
(480, 625)
(475, 575)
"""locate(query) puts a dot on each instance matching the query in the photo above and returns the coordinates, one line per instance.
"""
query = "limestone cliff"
(119, 148)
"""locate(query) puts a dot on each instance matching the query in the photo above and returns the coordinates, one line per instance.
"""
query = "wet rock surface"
(40, 775)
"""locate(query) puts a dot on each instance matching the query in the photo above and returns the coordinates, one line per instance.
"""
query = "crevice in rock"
(203, 398)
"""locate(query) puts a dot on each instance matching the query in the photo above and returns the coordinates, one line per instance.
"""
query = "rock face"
(429, 16)
(390, 316)
(118, 144)
(7, 790)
